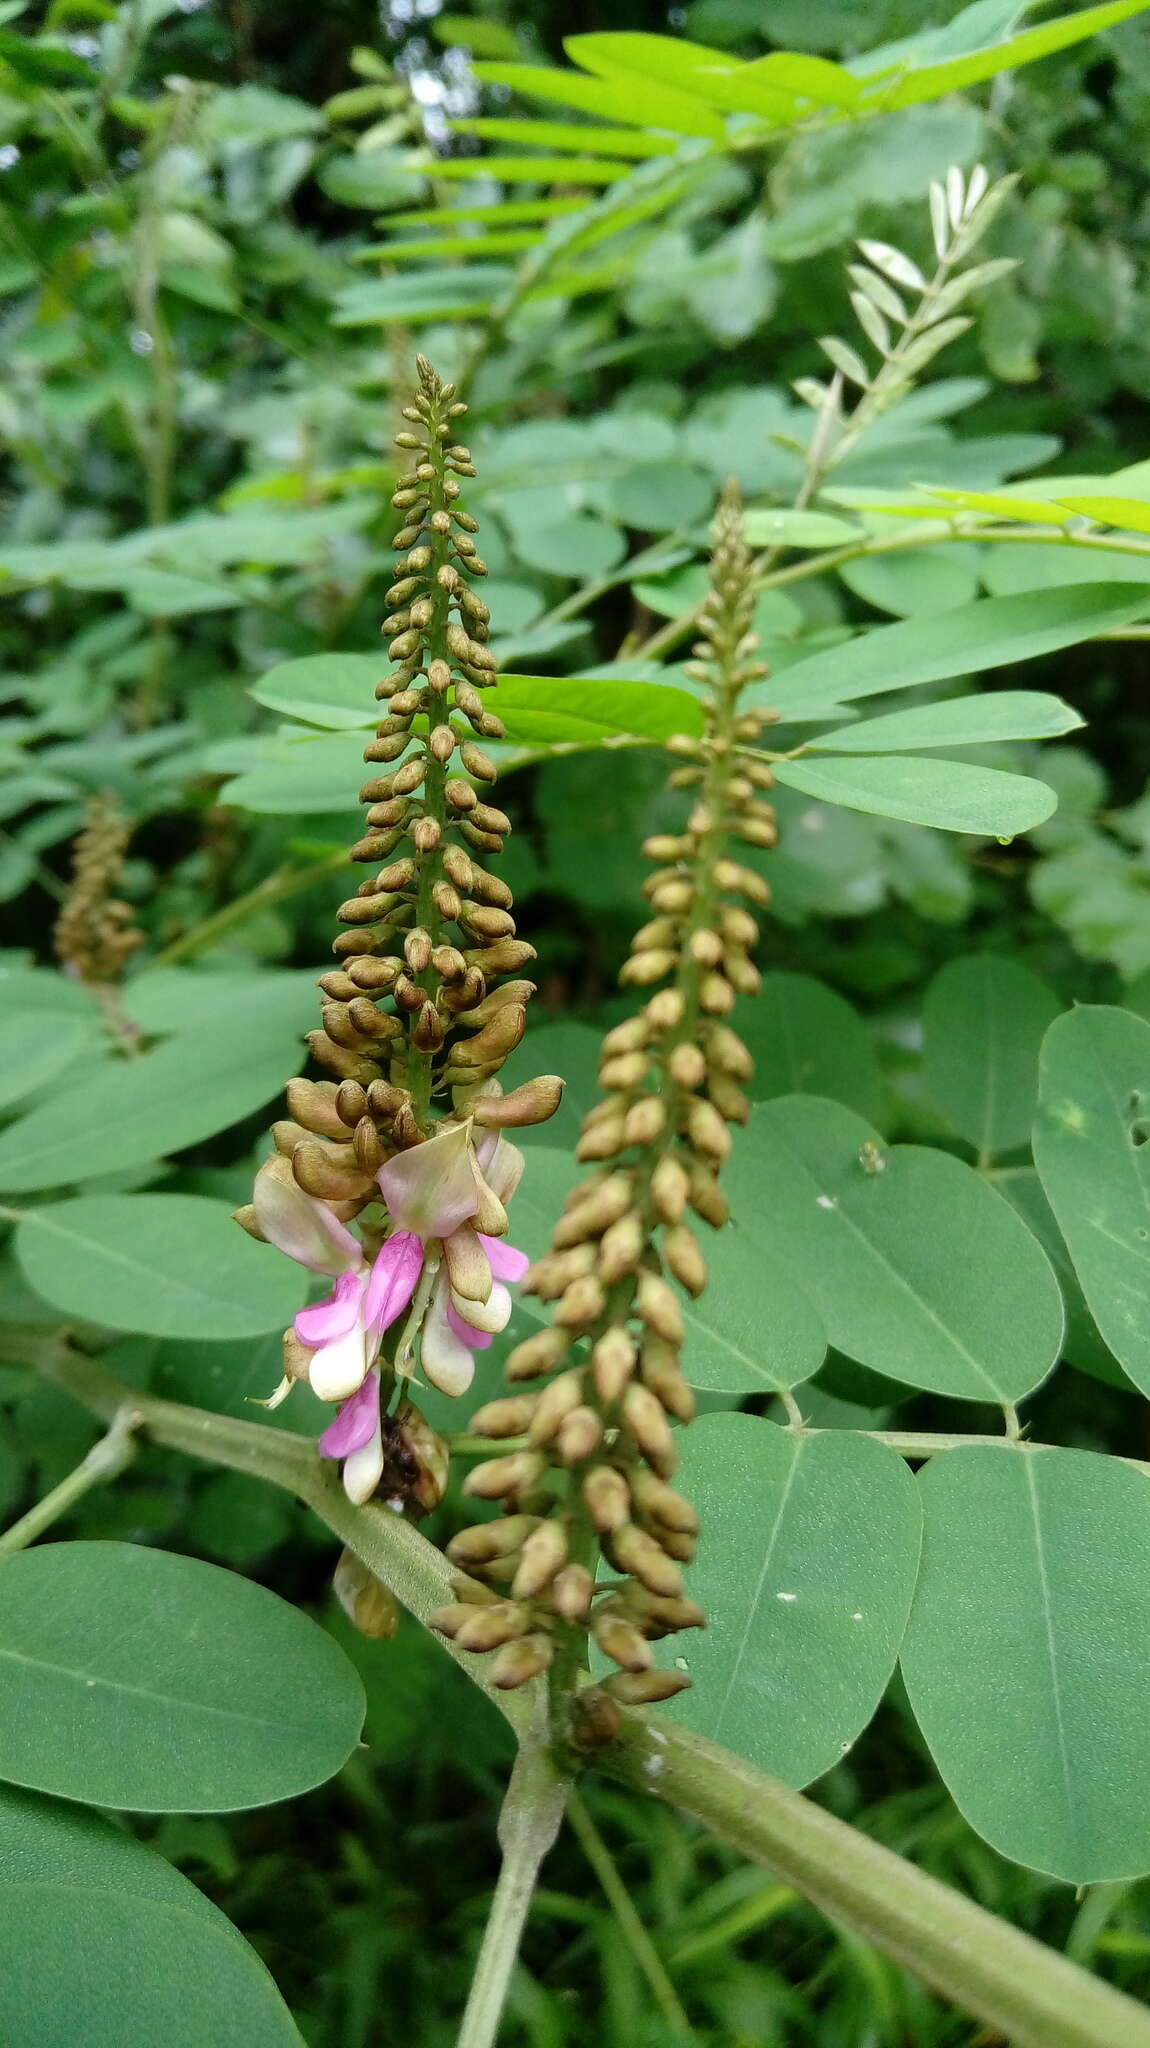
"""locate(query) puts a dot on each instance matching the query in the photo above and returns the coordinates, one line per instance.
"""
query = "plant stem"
(634, 1933)
(106, 1460)
(274, 888)
(1029, 1993)
(528, 1824)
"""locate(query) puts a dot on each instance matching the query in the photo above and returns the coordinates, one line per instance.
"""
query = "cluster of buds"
(96, 933)
(597, 1451)
(406, 1139)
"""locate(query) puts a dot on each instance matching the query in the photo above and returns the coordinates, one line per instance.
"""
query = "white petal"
(447, 1363)
(491, 1315)
(340, 1368)
(363, 1471)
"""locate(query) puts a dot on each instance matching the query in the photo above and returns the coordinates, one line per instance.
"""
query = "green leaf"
(38, 1049)
(162, 1265)
(422, 295)
(951, 795)
(957, 722)
(786, 529)
(983, 1020)
(577, 136)
(541, 170)
(333, 690)
(377, 177)
(579, 548)
(933, 80)
(805, 1039)
(754, 1331)
(1131, 513)
(649, 102)
(1035, 1594)
(653, 497)
(148, 1108)
(563, 711)
(148, 1958)
(303, 773)
(504, 242)
(806, 1575)
(917, 1267)
(1092, 1151)
(143, 1680)
(178, 1000)
(1082, 1346)
(934, 580)
(964, 641)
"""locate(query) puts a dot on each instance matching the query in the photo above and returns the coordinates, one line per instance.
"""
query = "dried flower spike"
(624, 1247)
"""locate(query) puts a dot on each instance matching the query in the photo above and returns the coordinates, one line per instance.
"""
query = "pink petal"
(300, 1225)
(475, 1340)
(334, 1316)
(356, 1423)
(393, 1279)
(505, 1261)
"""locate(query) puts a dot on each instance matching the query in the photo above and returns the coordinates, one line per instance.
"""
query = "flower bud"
(489, 1628)
(540, 1353)
(646, 1688)
(520, 1662)
(684, 1259)
(612, 1364)
(658, 1307)
(490, 1540)
(555, 1403)
(621, 1248)
(571, 1592)
(608, 1496)
(646, 1424)
(543, 1554)
(498, 1478)
(621, 1641)
(579, 1436)
(509, 1417)
(644, 1559)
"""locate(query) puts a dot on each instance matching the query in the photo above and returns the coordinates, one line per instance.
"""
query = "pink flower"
(356, 1436)
(344, 1330)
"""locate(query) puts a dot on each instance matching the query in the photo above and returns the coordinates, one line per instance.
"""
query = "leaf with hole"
(1035, 1594)
(157, 1264)
(139, 1679)
(984, 1019)
(806, 1574)
(917, 1267)
(950, 795)
(1092, 1151)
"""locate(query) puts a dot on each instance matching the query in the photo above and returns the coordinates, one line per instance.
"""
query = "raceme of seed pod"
(407, 1139)
(594, 1473)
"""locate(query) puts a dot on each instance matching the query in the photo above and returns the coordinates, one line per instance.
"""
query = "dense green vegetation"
(901, 299)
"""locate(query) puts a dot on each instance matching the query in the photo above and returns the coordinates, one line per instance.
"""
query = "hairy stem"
(528, 1824)
(1028, 1992)
(106, 1460)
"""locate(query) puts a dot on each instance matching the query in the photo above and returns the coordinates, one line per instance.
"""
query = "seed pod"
(498, 1478)
(507, 1417)
(543, 1554)
(669, 1187)
(314, 1105)
(571, 1592)
(553, 1405)
(621, 1641)
(646, 1424)
(644, 1559)
(685, 1259)
(579, 1436)
(612, 1364)
(608, 1497)
(540, 1353)
(687, 1065)
(646, 1688)
(581, 1303)
(519, 1662)
(643, 968)
(488, 1628)
(658, 1307)
(489, 1540)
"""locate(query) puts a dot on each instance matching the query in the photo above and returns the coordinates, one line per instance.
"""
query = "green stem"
(106, 1460)
(1027, 1992)
(528, 1824)
(275, 888)
(634, 1933)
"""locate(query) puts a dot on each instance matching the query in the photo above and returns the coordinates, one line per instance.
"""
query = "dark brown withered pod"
(593, 1476)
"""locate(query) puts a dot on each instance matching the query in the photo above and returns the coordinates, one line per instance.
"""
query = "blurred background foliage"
(196, 426)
